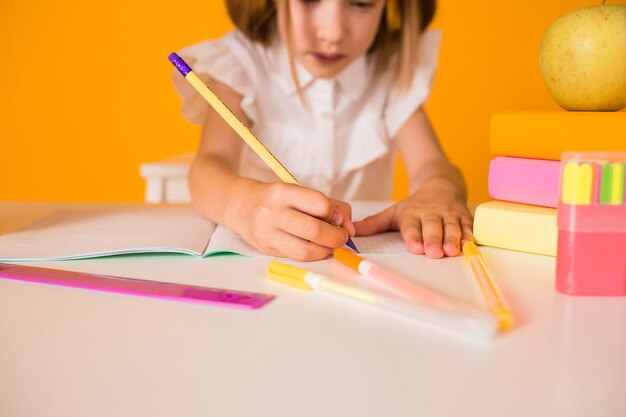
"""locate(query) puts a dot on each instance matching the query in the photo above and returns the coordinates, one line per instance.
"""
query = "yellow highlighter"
(471, 323)
(578, 180)
(237, 125)
(491, 293)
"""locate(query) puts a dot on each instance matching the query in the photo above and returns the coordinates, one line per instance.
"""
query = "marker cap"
(348, 258)
(288, 275)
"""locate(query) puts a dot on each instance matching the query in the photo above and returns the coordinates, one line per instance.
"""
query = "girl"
(334, 88)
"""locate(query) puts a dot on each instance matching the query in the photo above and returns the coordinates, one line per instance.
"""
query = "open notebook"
(88, 233)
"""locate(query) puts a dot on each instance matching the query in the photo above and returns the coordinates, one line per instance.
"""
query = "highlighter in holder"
(591, 251)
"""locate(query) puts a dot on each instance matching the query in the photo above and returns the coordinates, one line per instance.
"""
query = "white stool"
(166, 180)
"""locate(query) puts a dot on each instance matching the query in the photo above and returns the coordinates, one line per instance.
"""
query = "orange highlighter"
(373, 276)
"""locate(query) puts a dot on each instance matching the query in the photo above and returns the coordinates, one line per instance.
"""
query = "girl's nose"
(330, 23)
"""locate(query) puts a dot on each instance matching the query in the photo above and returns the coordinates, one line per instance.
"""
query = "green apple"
(583, 58)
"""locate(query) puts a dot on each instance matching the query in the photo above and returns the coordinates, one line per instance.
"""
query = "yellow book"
(546, 135)
(520, 227)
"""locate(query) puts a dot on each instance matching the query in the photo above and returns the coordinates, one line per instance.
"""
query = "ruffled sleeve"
(402, 105)
(231, 60)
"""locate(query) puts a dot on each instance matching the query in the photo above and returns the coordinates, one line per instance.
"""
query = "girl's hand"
(434, 221)
(292, 221)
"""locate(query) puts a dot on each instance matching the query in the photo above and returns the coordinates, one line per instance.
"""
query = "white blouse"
(340, 141)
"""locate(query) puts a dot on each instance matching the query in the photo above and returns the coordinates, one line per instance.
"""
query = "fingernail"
(435, 252)
(417, 248)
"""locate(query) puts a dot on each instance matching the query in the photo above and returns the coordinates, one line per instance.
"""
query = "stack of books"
(524, 177)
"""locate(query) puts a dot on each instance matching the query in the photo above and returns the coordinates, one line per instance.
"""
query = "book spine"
(515, 226)
(546, 135)
(524, 180)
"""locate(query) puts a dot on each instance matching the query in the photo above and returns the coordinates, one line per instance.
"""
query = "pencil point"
(352, 246)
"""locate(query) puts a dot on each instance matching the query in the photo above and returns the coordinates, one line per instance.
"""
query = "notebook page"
(388, 242)
(84, 233)
(226, 241)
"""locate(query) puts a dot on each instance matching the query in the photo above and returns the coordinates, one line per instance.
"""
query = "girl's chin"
(320, 70)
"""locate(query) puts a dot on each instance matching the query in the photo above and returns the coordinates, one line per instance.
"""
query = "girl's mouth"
(327, 58)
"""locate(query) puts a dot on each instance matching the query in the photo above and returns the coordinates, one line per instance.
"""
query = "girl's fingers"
(306, 200)
(377, 223)
(342, 216)
(467, 233)
(411, 231)
(289, 246)
(311, 229)
(432, 232)
(316, 205)
(451, 236)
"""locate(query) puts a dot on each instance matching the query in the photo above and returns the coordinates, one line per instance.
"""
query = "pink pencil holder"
(591, 251)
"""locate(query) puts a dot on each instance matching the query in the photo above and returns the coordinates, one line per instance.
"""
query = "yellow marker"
(492, 295)
(577, 185)
(568, 187)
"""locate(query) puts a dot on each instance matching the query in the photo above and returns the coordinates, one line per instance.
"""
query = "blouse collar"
(352, 80)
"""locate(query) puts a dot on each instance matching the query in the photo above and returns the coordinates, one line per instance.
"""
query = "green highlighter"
(612, 183)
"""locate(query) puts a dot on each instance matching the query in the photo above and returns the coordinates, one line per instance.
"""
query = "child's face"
(328, 35)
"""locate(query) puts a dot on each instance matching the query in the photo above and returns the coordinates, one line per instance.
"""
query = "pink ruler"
(157, 289)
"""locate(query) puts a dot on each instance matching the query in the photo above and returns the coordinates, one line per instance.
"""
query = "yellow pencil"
(491, 293)
(232, 120)
(237, 125)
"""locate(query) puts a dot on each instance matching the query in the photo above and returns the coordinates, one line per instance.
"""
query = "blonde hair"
(393, 47)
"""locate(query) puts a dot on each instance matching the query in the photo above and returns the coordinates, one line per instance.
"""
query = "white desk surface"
(69, 352)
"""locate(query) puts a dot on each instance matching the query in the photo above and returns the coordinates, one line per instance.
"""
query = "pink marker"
(375, 276)
(597, 176)
(157, 289)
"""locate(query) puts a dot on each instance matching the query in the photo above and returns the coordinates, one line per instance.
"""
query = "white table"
(70, 352)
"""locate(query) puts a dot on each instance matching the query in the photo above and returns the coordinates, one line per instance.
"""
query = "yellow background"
(86, 94)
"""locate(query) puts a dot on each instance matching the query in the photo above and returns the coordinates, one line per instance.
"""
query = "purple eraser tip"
(179, 63)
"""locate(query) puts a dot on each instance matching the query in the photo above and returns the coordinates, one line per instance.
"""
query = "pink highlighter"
(591, 250)
(157, 289)
(375, 277)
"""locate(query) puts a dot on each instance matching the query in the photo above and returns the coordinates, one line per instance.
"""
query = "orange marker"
(373, 275)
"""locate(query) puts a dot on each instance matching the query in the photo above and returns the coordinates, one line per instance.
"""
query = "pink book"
(525, 180)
